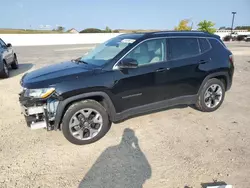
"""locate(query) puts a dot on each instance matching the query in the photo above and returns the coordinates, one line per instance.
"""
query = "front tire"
(85, 122)
(5, 72)
(14, 64)
(211, 95)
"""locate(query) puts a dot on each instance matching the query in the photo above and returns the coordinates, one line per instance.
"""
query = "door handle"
(202, 62)
(162, 69)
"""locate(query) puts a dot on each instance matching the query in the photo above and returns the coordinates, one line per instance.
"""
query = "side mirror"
(9, 45)
(128, 63)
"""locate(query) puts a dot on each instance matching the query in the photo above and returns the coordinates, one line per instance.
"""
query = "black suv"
(128, 75)
(8, 59)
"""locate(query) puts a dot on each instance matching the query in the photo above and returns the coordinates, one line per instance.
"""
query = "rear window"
(180, 48)
(217, 44)
(204, 44)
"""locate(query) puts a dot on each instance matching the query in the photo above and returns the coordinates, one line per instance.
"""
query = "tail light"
(231, 59)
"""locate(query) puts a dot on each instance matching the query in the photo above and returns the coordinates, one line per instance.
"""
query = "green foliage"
(92, 30)
(27, 31)
(60, 28)
(243, 28)
(95, 30)
(108, 30)
(222, 28)
(116, 31)
(183, 26)
(206, 26)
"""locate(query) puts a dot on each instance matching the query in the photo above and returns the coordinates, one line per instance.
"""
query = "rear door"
(185, 73)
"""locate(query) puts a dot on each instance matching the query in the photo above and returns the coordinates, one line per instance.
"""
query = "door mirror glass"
(9, 45)
(128, 63)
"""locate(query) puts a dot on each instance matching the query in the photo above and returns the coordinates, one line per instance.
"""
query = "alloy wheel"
(85, 124)
(213, 95)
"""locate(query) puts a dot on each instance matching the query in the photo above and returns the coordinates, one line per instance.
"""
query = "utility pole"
(192, 26)
(232, 23)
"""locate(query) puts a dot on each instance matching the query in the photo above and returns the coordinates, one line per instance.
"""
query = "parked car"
(227, 38)
(128, 75)
(8, 58)
(248, 38)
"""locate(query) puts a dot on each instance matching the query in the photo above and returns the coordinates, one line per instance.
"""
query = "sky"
(120, 14)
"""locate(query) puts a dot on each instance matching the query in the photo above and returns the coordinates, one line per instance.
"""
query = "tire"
(73, 110)
(201, 104)
(14, 64)
(5, 72)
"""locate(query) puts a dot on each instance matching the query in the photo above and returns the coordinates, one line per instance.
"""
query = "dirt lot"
(180, 147)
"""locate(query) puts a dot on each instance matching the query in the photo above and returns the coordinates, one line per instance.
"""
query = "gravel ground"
(177, 148)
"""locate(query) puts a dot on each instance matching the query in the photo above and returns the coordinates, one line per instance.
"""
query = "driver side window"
(151, 51)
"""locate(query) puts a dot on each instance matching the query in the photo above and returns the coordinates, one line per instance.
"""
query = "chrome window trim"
(115, 67)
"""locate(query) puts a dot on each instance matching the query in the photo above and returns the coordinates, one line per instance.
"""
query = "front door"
(137, 87)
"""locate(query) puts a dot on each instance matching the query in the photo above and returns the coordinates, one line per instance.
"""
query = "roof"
(72, 29)
(179, 33)
(143, 36)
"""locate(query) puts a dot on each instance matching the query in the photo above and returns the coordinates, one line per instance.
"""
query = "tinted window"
(204, 44)
(216, 44)
(183, 48)
(151, 51)
(2, 44)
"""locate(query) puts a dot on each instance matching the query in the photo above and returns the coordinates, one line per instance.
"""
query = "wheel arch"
(223, 76)
(100, 97)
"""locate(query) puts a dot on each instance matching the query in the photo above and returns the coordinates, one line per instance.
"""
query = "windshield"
(106, 51)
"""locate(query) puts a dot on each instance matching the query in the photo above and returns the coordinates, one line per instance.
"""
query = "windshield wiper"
(78, 60)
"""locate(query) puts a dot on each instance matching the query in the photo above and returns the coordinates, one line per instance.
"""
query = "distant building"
(235, 33)
(73, 31)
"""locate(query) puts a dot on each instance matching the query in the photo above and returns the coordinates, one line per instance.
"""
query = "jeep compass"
(131, 74)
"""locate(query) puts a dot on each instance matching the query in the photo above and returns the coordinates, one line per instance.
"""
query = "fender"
(212, 75)
(63, 104)
(1, 64)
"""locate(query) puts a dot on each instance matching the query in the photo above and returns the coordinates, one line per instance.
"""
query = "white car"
(248, 38)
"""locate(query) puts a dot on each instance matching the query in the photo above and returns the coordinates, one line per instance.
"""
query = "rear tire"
(5, 72)
(76, 112)
(14, 64)
(211, 95)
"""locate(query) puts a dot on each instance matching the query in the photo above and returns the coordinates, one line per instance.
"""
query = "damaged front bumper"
(39, 113)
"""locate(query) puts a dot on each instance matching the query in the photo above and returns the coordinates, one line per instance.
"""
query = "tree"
(243, 28)
(116, 31)
(60, 28)
(108, 30)
(92, 30)
(183, 26)
(222, 28)
(206, 26)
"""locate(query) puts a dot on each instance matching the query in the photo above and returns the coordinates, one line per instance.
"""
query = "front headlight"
(39, 93)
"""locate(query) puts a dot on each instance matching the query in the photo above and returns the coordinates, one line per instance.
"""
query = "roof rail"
(173, 31)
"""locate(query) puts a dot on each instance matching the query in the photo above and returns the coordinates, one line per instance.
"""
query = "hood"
(53, 74)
